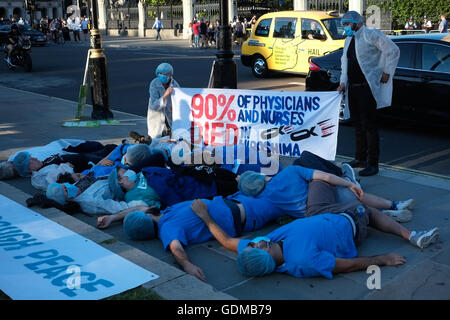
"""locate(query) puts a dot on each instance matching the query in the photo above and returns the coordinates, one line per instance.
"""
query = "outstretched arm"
(104, 222)
(362, 263)
(337, 181)
(183, 260)
(201, 210)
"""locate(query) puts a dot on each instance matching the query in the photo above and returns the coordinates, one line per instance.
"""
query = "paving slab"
(428, 280)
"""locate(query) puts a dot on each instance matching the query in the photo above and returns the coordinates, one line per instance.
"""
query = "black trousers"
(363, 109)
(312, 161)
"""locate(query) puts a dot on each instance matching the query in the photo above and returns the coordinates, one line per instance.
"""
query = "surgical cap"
(251, 183)
(138, 226)
(137, 153)
(116, 190)
(21, 163)
(254, 262)
(6, 170)
(55, 192)
(164, 68)
(352, 16)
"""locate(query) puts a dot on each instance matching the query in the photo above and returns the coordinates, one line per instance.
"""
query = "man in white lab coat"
(368, 65)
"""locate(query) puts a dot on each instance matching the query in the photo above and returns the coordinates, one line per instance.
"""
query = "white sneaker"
(407, 204)
(399, 215)
(423, 239)
(348, 172)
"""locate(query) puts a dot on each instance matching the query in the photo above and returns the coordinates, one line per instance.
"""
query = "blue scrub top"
(258, 211)
(311, 245)
(172, 188)
(288, 190)
(118, 152)
(180, 223)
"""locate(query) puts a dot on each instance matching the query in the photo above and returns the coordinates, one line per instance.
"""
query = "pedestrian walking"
(196, 29)
(85, 27)
(158, 26)
(368, 64)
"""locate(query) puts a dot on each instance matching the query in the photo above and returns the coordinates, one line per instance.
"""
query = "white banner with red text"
(281, 122)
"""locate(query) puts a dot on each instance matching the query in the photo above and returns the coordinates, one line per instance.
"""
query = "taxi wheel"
(259, 67)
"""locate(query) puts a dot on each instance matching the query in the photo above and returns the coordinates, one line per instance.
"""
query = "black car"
(37, 38)
(421, 80)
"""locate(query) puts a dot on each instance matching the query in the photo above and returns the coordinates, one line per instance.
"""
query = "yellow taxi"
(286, 41)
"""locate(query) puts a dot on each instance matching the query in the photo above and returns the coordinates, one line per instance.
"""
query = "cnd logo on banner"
(374, 281)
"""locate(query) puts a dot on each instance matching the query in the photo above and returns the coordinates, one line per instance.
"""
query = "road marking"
(401, 168)
(71, 101)
(431, 156)
(161, 54)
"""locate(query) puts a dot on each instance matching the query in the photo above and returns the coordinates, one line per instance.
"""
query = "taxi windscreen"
(335, 28)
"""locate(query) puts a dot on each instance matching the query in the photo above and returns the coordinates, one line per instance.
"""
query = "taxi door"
(284, 47)
(312, 45)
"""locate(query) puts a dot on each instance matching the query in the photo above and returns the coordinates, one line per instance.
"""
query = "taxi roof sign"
(333, 13)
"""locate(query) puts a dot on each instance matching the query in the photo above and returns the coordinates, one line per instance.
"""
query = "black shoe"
(357, 163)
(369, 171)
(140, 139)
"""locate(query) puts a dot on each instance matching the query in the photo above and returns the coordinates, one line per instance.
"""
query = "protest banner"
(279, 122)
(42, 260)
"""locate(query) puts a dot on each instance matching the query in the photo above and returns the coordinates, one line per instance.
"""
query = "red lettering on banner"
(215, 134)
(211, 133)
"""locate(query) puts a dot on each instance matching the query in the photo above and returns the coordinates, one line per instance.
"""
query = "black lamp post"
(98, 70)
(224, 68)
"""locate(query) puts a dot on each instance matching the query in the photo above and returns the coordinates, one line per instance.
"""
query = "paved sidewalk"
(30, 120)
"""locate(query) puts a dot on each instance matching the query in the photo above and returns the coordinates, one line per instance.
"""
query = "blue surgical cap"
(138, 226)
(56, 192)
(21, 163)
(255, 262)
(352, 16)
(137, 153)
(164, 68)
(251, 183)
(116, 190)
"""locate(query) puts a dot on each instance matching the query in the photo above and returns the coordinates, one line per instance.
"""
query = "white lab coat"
(376, 54)
(55, 147)
(158, 109)
(47, 175)
(97, 199)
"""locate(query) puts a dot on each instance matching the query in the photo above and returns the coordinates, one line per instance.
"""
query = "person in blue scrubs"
(320, 245)
(178, 226)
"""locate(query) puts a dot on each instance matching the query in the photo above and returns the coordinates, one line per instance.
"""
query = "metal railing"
(170, 15)
(328, 5)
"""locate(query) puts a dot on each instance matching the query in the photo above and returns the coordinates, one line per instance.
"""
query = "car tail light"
(313, 66)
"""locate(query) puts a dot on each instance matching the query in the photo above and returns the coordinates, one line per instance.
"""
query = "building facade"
(10, 9)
